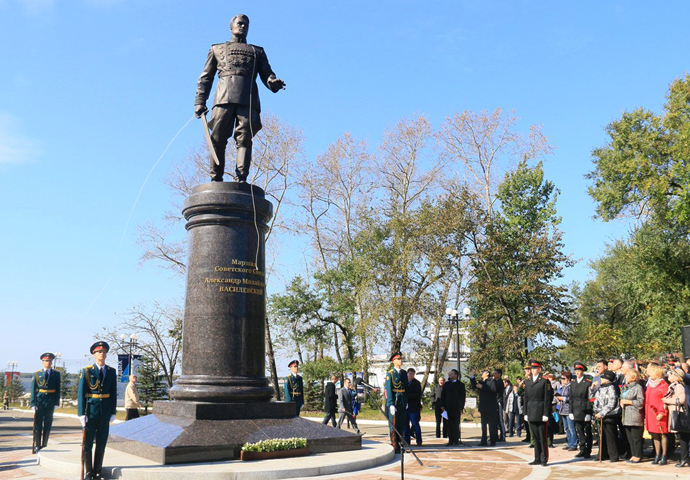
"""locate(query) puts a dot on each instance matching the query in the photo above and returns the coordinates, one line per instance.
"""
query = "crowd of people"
(616, 407)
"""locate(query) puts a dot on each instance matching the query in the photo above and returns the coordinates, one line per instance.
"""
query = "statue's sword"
(209, 143)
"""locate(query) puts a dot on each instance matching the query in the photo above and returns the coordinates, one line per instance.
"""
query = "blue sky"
(91, 92)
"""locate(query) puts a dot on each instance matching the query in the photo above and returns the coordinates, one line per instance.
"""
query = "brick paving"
(508, 461)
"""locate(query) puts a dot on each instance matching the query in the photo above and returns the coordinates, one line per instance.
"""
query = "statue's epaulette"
(216, 44)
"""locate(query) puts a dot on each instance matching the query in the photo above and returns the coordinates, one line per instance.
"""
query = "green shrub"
(275, 444)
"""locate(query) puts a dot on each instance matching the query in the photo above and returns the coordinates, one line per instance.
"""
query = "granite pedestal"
(222, 398)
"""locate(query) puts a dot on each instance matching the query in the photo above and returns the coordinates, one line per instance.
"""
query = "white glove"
(544, 419)
(571, 416)
(112, 418)
(526, 418)
(588, 418)
(34, 409)
(391, 410)
(83, 420)
(55, 407)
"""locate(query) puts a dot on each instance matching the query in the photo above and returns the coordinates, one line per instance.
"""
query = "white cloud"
(15, 148)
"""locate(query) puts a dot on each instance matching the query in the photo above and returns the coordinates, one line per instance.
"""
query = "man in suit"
(537, 406)
(345, 402)
(395, 387)
(96, 407)
(437, 405)
(294, 386)
(414, 407)
(330, 401)
(488, 406)
(581, 409)
(45, 398)
(236, 106)
(453, 403)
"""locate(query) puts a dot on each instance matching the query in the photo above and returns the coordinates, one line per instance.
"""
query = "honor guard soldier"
(45, 398)
(537, 407)
(97, 400)
(294, 388)
(396, 399)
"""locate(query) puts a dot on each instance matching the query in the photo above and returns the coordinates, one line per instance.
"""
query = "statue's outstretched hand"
(276, 84)
(199, 110)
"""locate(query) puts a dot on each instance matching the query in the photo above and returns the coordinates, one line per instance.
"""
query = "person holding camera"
(488, 406)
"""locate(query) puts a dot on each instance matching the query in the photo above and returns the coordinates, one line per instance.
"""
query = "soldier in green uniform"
(294, 387)
(96, 408)
(396, 399)
(45, 398)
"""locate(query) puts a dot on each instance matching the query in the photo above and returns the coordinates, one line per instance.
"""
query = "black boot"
(88, 466)
(46, 434)
(98, 463)
(244, 160)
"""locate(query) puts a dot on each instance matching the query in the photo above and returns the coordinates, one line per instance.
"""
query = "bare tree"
(160, 335)
(487, 145)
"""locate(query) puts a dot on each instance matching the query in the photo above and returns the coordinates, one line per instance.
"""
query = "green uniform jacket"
(294, 390)
(396, 395)
(97, 407)
(45, 394)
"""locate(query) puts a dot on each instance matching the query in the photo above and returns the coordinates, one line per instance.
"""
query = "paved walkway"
(508, 461)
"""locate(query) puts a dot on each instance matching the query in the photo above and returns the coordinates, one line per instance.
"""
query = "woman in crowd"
(675, 399)
(656, 416)
(607, 411)
(632, 403)
(563, 398)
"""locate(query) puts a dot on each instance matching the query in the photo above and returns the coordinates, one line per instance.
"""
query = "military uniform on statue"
(396, 399)
(537, 401)
(294, 387)
(97, 402)
(45, 398)
(236, 106)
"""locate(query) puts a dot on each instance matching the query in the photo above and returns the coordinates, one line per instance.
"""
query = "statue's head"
(239, 25)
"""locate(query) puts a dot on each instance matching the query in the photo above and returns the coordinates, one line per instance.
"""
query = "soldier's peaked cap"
(535, 363)
(395, 355)
(294, 362)
(47, 356)
(579, 366)
(99, 346)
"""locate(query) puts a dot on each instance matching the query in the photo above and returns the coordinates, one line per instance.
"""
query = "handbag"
(680, 419)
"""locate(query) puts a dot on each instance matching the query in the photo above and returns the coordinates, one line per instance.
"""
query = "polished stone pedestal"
(183, 432)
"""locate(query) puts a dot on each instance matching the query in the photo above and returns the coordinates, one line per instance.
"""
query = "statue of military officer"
(294, 387)
(45, 398)
(97, 401)
(236, 106)
(396, 399)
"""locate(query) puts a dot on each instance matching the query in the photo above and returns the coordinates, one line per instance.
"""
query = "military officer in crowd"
(294, 387)
(581, 409)
(236, 106)
(45, 398)
(97, 401)
(537, 407)
(396, 399)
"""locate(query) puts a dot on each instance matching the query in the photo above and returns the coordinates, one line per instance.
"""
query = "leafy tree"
(150, 382)
(16, 390)
(517, 264)
(643, 170)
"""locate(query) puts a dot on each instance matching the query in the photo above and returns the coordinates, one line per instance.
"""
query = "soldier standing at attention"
(45, 398)
(236, 106)
(97, 401)
(294, 388)
(396, 399)
(537, 401)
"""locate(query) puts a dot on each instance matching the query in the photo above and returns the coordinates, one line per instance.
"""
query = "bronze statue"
(236, 106)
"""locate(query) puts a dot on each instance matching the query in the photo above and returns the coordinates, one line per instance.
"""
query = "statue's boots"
(244, 160)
